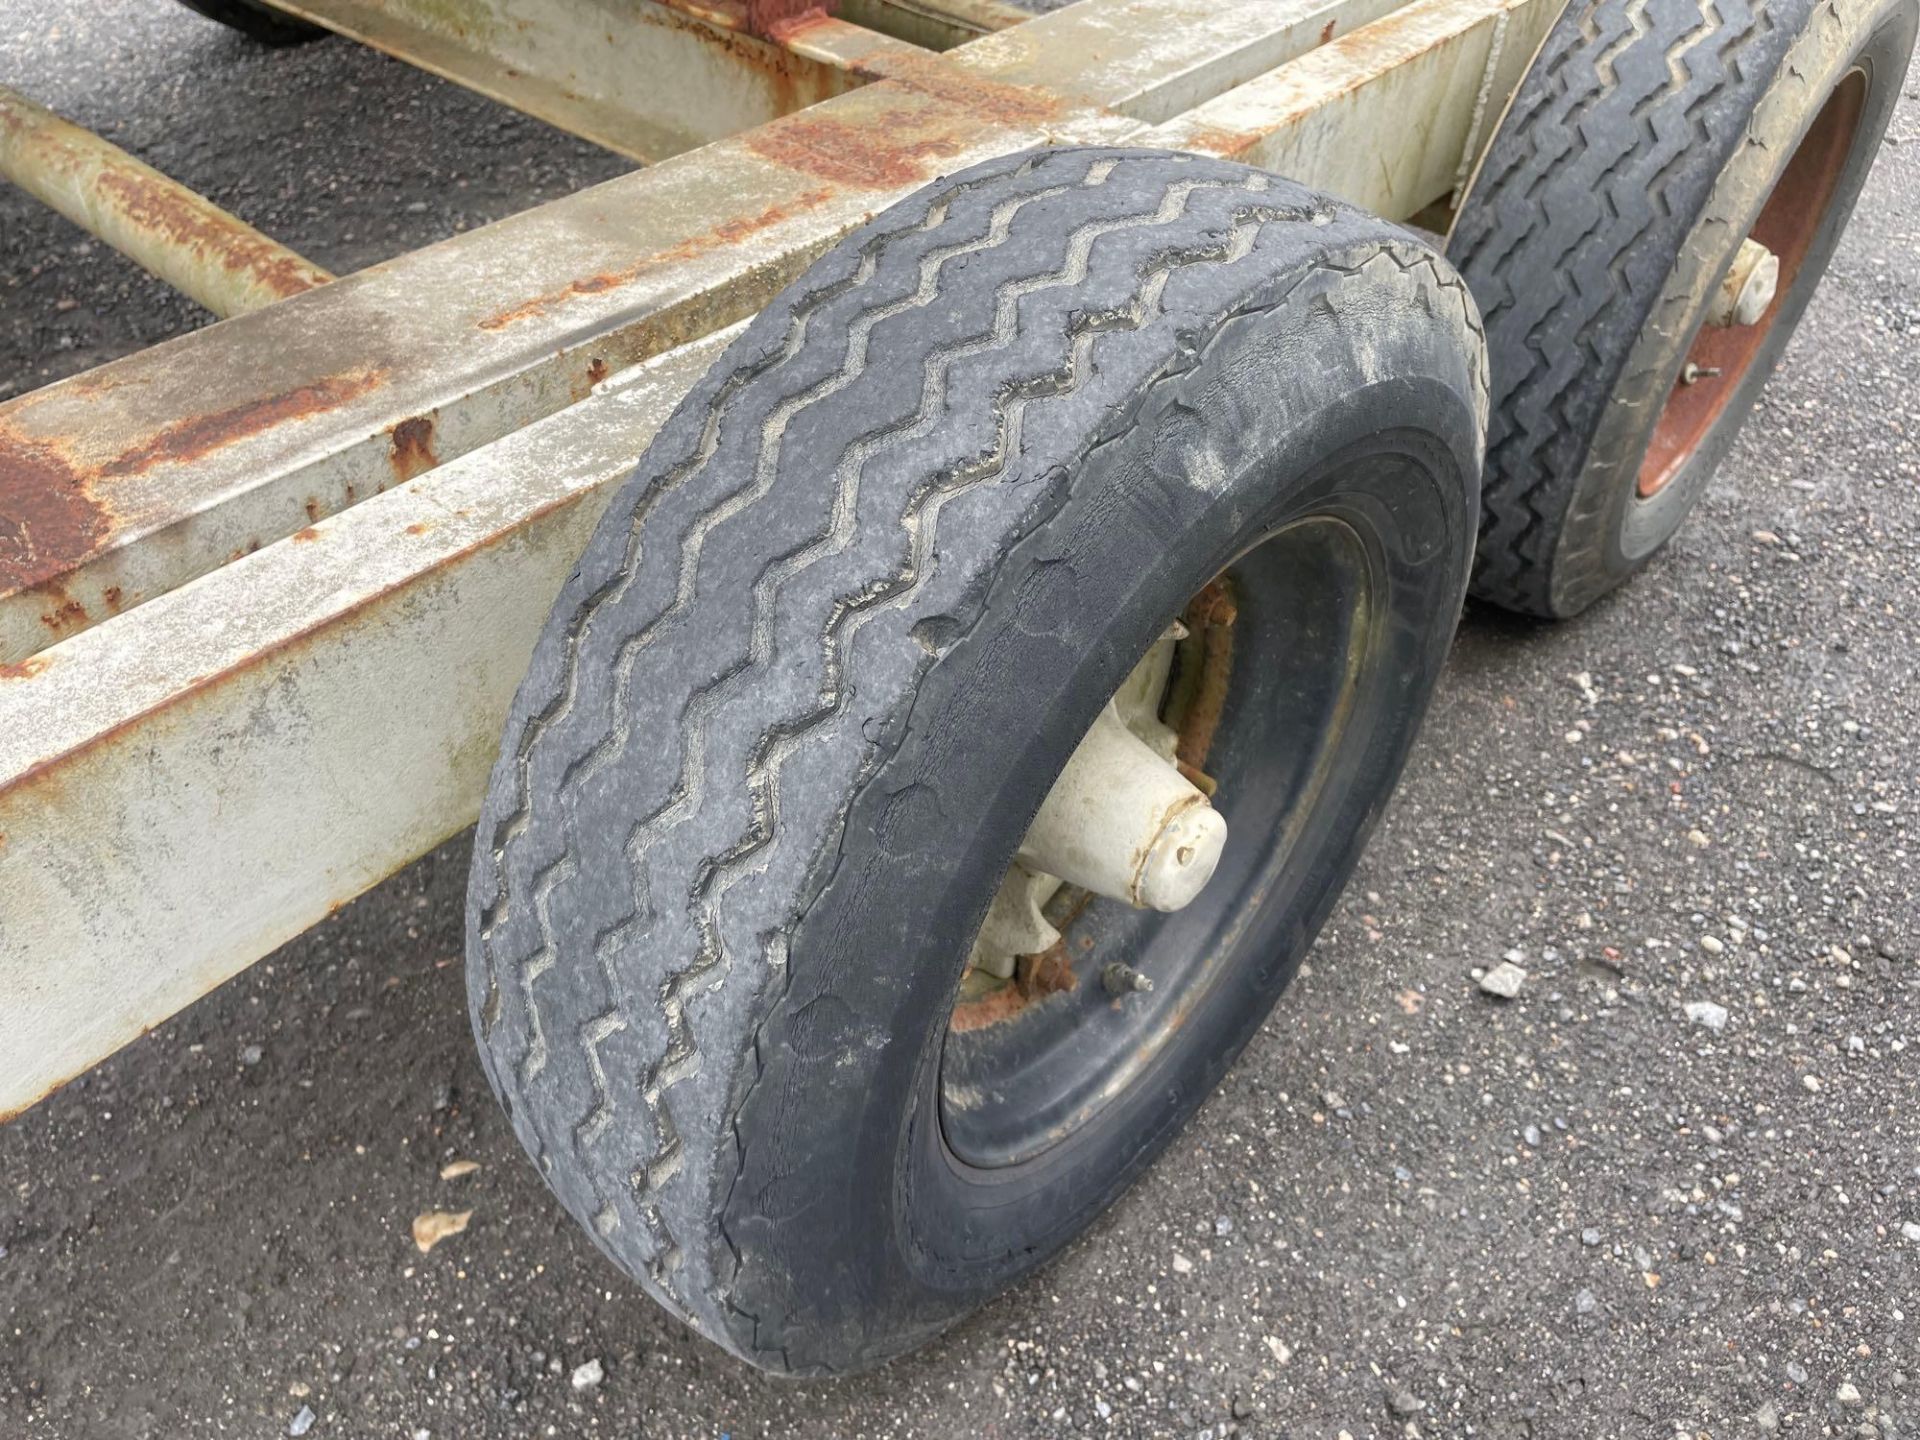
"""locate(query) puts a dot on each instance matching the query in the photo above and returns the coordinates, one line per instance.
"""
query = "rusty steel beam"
(212, 257)
(124, 482)
(121, 483)
(267, 726)
(1381, 116)
(645, 78)
(302, 720)
(933, 24)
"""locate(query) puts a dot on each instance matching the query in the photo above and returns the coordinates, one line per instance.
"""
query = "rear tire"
(258, 22)
(1650, 138)
(836, 637)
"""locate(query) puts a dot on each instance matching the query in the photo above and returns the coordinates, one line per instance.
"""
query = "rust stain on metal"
(47, 516)
(53, 516)
(410, 451)
(66, 611)
(165, 210)
(1213, 140)
(364, 610)
(192, 438)
(307, 534)
(770, 18)
(1326, 31)
(727, 232)
(859, 156)
(778, 69)
(764, 47)
(936, 108)
(1210, 619)
(595, 373)
(795, 30)
(1034, 978)
(938, 79)
(23, 670)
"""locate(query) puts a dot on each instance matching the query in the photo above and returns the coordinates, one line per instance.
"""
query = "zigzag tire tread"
(1561, 237)
(749, 550)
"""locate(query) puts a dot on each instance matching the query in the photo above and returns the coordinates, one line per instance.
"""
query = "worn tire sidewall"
(1610, 531)
(896, 1240)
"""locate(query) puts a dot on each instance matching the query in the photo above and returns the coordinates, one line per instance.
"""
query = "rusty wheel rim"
(1263, 701)
(1788, 225)
(1196, 697)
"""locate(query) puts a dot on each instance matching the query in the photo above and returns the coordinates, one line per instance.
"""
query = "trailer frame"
(266, 590)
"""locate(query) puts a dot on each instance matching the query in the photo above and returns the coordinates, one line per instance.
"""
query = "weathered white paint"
(192, 781)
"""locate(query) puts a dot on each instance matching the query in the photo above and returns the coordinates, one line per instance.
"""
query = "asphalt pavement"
(1670, 1189)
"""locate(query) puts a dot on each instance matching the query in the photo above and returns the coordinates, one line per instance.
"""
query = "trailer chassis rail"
(266, 590)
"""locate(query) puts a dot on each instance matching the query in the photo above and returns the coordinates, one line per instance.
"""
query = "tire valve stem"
(1122, 979)
(1694, 374)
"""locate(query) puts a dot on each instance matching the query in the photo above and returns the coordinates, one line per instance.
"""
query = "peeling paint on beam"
(645, 78)
(1382, 116)
(299, 724)
(485, 332)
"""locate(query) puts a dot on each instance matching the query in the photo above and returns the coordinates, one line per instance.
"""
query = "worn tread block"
(810, 527)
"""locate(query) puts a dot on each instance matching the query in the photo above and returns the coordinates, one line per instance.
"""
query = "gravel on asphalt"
(1670, 1187)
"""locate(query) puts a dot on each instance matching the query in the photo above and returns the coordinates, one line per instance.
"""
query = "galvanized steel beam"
(1154, 59)
(211, 257)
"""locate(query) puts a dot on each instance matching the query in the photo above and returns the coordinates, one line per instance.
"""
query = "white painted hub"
(1747, 293)
(1122, 822)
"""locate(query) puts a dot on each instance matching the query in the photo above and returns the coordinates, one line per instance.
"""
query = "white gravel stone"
(1707, 1013)
(586, 1376)
(1504, 980)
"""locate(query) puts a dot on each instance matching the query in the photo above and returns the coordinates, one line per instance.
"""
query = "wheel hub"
(1128, 819)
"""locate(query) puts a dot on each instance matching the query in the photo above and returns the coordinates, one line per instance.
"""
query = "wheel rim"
(1028, 1066)
(1788, 224)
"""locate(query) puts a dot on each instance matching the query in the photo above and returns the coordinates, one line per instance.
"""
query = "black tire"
(1647, 140)
(258, 22)
(792, 715)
